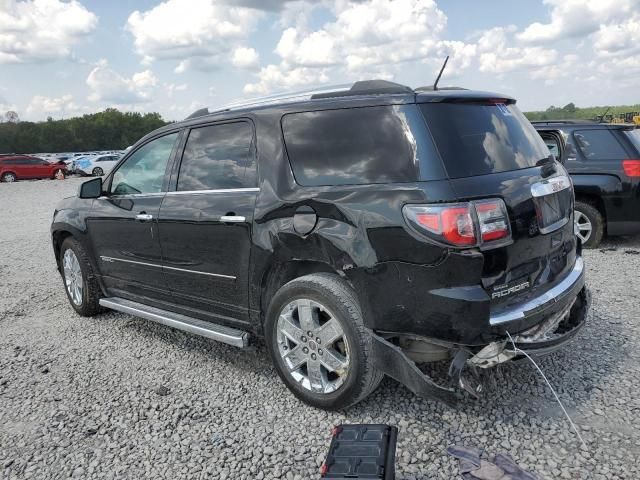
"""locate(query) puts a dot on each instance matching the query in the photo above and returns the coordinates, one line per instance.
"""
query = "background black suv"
(604, 163)
(358, 230)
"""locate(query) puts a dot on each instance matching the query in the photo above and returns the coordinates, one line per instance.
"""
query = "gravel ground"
(117, 397)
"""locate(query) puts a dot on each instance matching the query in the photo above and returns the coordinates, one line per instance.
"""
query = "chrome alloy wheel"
(583, 226)
(72, 276)
(313, 346)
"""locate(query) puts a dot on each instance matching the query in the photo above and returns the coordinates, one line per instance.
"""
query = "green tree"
(107, 130)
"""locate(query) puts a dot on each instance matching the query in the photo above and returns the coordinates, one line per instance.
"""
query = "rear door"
(490, 150)
(41, 168)
(602, 152)
(123, 225)
(205, 222)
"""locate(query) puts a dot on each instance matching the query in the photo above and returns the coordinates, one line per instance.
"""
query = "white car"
(95, 165)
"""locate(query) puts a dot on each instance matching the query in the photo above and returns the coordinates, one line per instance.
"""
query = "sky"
(61, 58)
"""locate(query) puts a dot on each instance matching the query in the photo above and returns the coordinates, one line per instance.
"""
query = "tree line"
(107, 130)
(115, 130)
(570, 111)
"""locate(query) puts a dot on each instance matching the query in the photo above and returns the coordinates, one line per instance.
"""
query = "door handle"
(232, 218)
(144, 217)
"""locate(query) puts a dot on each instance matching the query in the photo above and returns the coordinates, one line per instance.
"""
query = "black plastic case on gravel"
(361, 451)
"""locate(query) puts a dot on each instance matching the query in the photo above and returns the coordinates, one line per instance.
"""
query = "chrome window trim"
(519, 312)
(133, 195)
(552, 185)
(219, 190)
(155, 265)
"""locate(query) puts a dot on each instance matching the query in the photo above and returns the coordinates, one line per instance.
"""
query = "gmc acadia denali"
(360, 231)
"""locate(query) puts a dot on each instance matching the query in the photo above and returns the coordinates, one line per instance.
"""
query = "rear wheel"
(319, 345)
(98, 172)
(79, 279)
(9, 177)
(589, 224)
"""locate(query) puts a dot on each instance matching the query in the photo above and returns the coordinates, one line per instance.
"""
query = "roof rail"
(429, 88)
(280, 98)
(565, 122)
(365, 87)
(198, 113)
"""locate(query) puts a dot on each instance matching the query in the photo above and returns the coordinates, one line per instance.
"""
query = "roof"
(375, 89)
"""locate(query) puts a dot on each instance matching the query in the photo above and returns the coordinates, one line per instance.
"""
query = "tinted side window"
(21, 161)
(144, 170)
(598, 144)
(218, 157)
(357, 146)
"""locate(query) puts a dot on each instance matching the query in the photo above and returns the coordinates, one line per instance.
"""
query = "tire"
(590, 224)
(97, 172)
(84, 299)
(330, 299)
(9, 177)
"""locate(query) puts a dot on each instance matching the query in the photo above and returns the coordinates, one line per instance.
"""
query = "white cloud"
(276, 76)
(199, 34)
(244, 57)
(498, 53)
(41, 30)
(172, 88)
(144, 79)
(42, 106)
(576, 18)
(618, 39)
(365, 36)
(108, 86)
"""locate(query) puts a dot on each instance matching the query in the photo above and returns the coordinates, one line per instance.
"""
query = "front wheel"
(98, 172)
(79, 279)
(318, 342)
(589, 224)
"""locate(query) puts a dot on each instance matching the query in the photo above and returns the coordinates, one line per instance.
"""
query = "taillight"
(482, 223)
(631, 167)
(493, 219)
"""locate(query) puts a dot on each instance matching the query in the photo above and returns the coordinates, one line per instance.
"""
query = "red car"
(20, 167)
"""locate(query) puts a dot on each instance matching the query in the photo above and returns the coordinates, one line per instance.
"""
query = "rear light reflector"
(631, 168)
(493, 220)
(470, 224)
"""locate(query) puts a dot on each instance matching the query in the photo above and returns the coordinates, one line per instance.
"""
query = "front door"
(205, 224)
(123, 224)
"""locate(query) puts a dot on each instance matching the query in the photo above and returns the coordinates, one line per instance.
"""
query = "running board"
(221, 333)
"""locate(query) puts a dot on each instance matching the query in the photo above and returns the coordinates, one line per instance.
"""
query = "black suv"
(359, 231)
(604, 162)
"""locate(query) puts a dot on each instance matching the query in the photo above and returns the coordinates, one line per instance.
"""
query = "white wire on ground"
(517, 350)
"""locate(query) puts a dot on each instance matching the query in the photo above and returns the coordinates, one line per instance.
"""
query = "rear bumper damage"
(554, 331)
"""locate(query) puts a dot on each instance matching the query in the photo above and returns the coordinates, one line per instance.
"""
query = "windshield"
(634, 136)
(477, 139)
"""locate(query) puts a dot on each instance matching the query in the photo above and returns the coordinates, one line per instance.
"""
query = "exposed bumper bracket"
(391, 360)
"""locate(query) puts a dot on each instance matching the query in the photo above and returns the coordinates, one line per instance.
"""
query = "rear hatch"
(490, 150)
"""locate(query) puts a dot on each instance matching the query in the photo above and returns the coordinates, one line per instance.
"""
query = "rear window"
(598, 145)
(478, 139)
(634, 137)
(384, 144)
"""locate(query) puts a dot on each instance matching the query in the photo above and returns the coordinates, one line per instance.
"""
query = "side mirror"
(91, 188)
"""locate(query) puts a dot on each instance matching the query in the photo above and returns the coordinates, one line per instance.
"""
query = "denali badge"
(510, 290)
